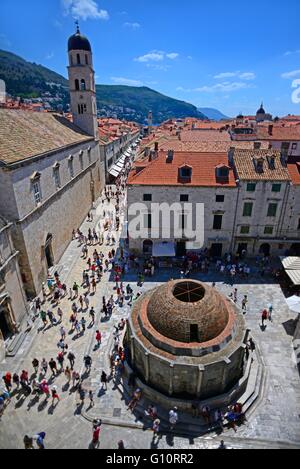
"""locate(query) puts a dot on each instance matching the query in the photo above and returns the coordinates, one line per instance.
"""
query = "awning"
(291, 266)
(294, 303)
(114, 173)
(165, 249)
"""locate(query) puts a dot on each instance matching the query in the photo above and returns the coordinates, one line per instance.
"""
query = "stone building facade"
(51, 171)
(13, 304)
(254, 207)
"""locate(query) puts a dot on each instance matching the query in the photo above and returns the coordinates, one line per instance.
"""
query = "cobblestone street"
(273, 422)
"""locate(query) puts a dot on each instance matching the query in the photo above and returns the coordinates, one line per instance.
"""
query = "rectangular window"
(248, 207)
(147, 197)
(37, 192)
(276, 187)
(220, 198)
(294, 146)
(245, 229)
(268, 230)
(148, 220)
(272, 210)
(90, 155)
(218, 222)
(251, 186)
(298, 224)
(184, 198)
(57, 178)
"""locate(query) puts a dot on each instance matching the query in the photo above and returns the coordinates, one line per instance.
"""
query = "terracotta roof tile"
(244, 161)
(160, 173)
(24, 134)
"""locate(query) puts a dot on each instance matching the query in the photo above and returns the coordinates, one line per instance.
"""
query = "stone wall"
(61, 210)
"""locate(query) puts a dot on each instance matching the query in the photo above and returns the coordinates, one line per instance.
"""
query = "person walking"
(270, 312)
(60, 315)
(68, 374)
(44, 366)
(244, 304)
(86, 301)
(53, 367)
(83, 324)
(88, 363)
(92, 314)
(7, 378)
(28, 442)
(264, 317)
(61, 359)
(71, 357)
(63, 333)
(16, 380)
(35, 365)
(91, 398)
(55, 396)
(156, 429)
(40, 437)
(98, 338)
(104, 380)
(173, 418)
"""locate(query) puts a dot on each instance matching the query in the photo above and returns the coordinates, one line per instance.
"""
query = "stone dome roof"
(188, 311)
(261, 110)
(79, 42)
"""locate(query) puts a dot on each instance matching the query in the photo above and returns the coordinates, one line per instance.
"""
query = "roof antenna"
(77, 27)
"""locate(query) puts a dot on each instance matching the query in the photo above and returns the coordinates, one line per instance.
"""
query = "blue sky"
(228, 55)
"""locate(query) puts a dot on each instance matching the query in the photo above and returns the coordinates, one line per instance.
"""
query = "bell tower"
(82, 84)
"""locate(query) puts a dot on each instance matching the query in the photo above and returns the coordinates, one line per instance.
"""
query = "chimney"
(156, 146)
(147, 151)
(170, 156)
(270, 130)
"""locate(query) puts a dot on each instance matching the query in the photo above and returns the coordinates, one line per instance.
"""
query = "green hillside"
(29, 80)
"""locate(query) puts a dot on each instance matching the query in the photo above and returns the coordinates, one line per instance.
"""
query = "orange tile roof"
(244, 161)
(160, 173)
(204, 136)
(294, 170)
(24, 134)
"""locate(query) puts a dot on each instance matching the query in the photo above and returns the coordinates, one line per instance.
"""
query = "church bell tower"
(82, 84)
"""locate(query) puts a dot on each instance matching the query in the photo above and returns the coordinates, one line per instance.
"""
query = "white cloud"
(185, 90)
(158, 67)
(156, 56)
(50, 56)
(153, 56)
(172, 55)
(291, 75)
(132, 25)
(247, 76)
(291, 52)
(238, 74)
(126, 81)
(225, 87)
(84, 9)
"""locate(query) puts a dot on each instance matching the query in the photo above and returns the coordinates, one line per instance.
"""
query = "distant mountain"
(142, 99)
(212, 114)
(29, 80)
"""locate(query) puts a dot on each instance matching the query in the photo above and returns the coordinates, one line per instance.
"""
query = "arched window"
(77, 85)
(78, 59)
(71, 59)
(86, 59)
(147, 247)
(82, 85)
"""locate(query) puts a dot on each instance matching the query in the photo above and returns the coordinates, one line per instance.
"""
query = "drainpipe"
(283, 210)
(235, 217)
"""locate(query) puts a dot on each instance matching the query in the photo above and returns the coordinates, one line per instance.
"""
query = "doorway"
(181, 249)
(295, 250)
(265, 249)
(49, 252)
(216, 250)
(4, 324)
(243, 247)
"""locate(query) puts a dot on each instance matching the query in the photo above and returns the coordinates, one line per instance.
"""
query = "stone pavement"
(273, 422)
